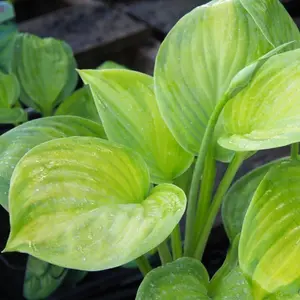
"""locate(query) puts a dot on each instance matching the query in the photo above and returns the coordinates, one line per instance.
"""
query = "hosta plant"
(91, 196)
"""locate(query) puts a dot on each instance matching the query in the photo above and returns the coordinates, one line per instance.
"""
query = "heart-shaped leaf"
(81, 104)
(127, 107)
(16, 142)
(41, 279)
(238, 198)
(266, 113)
(184, 279)
(46, 71)
(14, 115)
(9, 90)
(270, 240)
(196, 63)
(94, 195)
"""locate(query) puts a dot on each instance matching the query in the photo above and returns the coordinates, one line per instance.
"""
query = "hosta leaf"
(99, 191)
(16, 142)
(238, 198)
(266, 113)
(110, 65)
(184, 279)
(230, 282)
(196, 64)
(264, 13)
(81, 104)
(9, 90)
(41, 279)
(8, 33)
(12, 116)
(269, 247)
(127, 107)
(46, 71)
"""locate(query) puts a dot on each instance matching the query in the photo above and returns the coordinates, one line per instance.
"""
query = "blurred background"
(128, 32)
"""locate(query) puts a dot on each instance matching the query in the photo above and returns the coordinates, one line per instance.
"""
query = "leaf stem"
(176, 243)
(143, 264)
(193, 194)
(164, 253)
(206, 189)
(215, 206)
(294, 151)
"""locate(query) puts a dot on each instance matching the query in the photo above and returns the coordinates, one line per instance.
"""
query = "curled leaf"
(130, 116)
(266, 113)
(9, 90)
(15, 143)
(94, 195)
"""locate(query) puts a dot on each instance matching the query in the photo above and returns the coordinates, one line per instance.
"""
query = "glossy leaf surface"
(269, 247)
(41, 279)
(99, 191)
(9, 90)
(46, 71)
(130, 116)
(81, 104)
(185, 278)
(266, 113)
(196, 64)
(16, 142)
(238, 198)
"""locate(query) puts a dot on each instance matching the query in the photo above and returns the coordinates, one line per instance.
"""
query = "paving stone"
(91, 29)
(161, 14)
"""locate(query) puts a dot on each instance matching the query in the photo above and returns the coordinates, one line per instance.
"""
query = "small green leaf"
(266, 113)
(81, 104)
(110, 65)
(238, 198)
(184, 279)
(9, 90)
(269, 247)
(12, 116)
(229, 282)
(16, 142)
(46, 71)
(196, 64)
(127, 107)
(41, 279)
(8, 34)
(99, 191)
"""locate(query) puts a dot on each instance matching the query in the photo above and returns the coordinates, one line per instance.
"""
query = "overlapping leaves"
(130, 116)
(269, 245)
(18, 141)
(196, 62)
